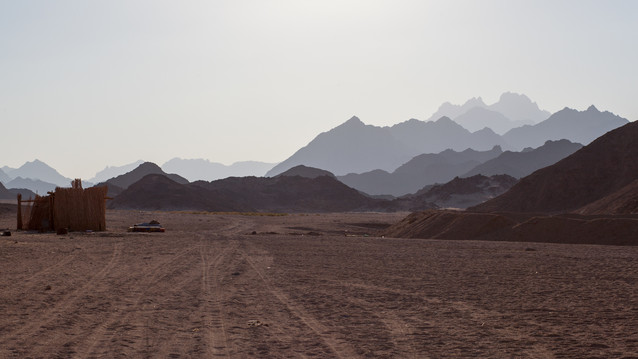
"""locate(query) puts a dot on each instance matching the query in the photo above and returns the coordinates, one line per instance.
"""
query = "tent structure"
(72, 209)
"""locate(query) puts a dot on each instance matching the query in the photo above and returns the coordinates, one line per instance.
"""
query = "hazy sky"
(85, 84)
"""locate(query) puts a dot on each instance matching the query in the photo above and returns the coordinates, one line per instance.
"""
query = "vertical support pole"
(51, 203)
(19, 212)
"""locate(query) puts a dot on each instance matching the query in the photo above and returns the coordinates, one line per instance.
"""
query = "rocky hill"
(141, 171)
(262, 194)
(458, 225)
(591, 173)
(623, 201)
(465, 192)
(295, 194)
(158, 192)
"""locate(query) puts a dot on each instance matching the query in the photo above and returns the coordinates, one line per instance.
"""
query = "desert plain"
(307, 286)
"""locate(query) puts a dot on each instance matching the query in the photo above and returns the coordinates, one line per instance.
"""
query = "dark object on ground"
(152, 226)
(62, 231)
(6, 233)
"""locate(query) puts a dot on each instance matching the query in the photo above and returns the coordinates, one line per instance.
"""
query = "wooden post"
(19, 212)
(52, 212)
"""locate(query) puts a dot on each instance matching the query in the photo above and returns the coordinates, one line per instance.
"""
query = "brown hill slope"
(595, 171)
(572, 229)
(623, 201)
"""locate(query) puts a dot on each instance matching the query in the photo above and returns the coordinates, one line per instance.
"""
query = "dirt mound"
(610, 230)
(595, 171)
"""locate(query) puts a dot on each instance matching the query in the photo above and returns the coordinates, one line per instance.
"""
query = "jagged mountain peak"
(475, 102)
(354, 120)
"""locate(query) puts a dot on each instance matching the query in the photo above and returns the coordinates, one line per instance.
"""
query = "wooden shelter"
(72, 209)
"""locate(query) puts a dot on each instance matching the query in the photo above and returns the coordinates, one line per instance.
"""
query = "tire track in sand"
(48, 269)
(67, 302)
(340, 350)
(217, 344)
(146, 279)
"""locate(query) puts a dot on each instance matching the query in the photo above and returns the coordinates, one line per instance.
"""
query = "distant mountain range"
(120, 183)
(13, 192)
(420, 171)
(576, 126)
(301, 189)
(277, 194)
(396, 160)
(114, 171)
(521, 164)
(4, 177)
(354, 147)
(512, 110)
(38, 170)
(35, 176)
(200, 169)
(37, 186)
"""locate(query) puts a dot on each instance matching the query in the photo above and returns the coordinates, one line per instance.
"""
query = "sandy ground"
(308, 286)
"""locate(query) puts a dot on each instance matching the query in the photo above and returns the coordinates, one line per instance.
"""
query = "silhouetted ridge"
(595, 171)
(146, 168)
(521, 164)
(305, 171)
(158, 192)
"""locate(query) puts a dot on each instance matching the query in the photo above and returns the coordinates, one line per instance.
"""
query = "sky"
(85, 84)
